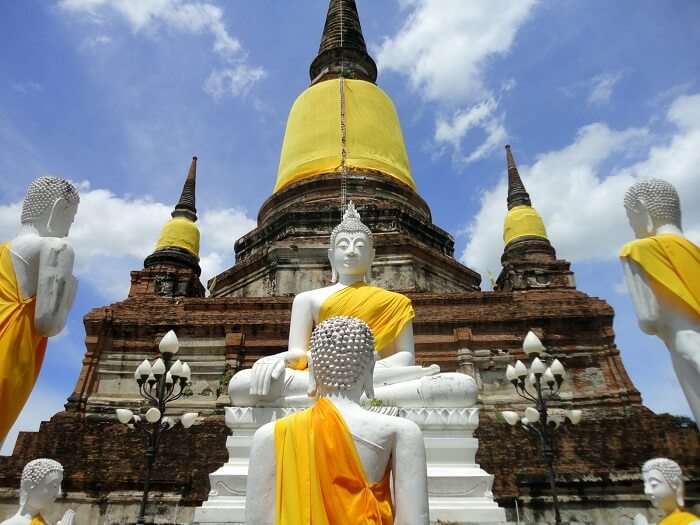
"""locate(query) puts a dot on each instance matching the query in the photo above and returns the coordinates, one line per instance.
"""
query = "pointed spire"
(186, 206)
(343, 51)
(517, 195)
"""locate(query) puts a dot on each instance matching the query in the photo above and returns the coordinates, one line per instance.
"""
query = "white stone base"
(458, 489)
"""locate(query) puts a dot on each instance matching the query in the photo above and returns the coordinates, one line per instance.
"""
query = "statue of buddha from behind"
(283, 380)
(39, 487)
(337, 462)
(663, 485)
(661, 270)
(37, 289)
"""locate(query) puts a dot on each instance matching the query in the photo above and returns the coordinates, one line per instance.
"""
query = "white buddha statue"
(282, 379)
(39, 488)
(663, 485)
(337, 462)
(662, 270)
(37, 289)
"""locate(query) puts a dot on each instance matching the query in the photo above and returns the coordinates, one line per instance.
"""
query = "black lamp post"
(160, 383)
(540, 384)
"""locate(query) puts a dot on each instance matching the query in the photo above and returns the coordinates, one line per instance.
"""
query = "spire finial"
(517, 195)
(186, 206)
(343, 52)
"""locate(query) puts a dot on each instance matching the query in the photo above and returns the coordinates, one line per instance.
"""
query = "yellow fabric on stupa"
(673, 264)
(320, 479)
(180, 233)
(523, 221)
(312, 142)
(38, 520)
(679, 517)
(385, 312)
(21, 348)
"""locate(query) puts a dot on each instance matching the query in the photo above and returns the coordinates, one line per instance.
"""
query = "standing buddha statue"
(37, 289)
(661, 270)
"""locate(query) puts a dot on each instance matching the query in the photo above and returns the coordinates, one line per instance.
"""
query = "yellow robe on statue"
(21, 348)
(38, 520)
(672, 263)
(678, 517)
(385, 312)
(320, 479)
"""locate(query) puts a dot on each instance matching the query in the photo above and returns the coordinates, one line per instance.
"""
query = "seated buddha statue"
(283, 380)
(40, 485)
(663, 485)
(336, 462)
(37, 289)
(661, 270)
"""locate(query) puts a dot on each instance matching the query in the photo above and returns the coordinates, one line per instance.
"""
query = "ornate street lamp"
(160, 383)
(540, 384)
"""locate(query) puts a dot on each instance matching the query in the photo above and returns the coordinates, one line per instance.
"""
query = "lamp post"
(160, 383)
(540, 384)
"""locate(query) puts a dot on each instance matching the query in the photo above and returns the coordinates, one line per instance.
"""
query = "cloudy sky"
(117, 95)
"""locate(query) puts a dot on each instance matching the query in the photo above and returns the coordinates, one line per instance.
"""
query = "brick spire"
(517, 195)
(186, 206)
(343, 51)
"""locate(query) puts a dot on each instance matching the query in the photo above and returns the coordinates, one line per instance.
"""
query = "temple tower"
(529, 260)
(343, 141)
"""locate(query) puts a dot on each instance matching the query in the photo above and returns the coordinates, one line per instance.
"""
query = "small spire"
(343, 51)
(517, 195)
(185, 207)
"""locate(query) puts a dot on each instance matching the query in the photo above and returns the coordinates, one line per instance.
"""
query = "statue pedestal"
(458, 489)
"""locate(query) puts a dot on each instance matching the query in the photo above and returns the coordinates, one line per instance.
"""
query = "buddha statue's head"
(341, 357)
(651, 204)
(351, 250)
(663, 484)
(50, 206)
(40, 485)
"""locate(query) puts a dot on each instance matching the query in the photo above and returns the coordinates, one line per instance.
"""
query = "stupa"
(457, 325)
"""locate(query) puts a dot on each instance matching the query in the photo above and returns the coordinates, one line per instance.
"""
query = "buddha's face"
(352, 254)
(42, 495)
(640, 221)
(661, 494)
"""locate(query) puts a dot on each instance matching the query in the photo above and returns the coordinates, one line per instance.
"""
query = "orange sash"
(21, 348)
(678, 517)
(320, 479)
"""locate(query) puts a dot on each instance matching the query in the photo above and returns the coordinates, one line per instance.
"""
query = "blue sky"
(119, 94)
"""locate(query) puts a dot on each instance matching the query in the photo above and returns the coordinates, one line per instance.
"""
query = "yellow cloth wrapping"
(672, 263)
(180, 232)
(38, 520)
(21, 348)
(678, 517)
(385, 312)
(312, 142)
(320, 479)
(522, 221)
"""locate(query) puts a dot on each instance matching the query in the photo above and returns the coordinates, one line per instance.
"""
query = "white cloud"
(92, 43)
(194, 17)
(444, 47)
(232, 81)
(579, 195)
(602, 88)
(481, 115)
(112, 235)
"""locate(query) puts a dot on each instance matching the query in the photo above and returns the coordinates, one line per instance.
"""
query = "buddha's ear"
(334, 275)
(52, 214)
(646, 217)
(312, 388)
(368, 380)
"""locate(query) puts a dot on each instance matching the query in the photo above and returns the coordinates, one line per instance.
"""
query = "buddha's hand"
(264, 371)
(68, 518)
(639, 519)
